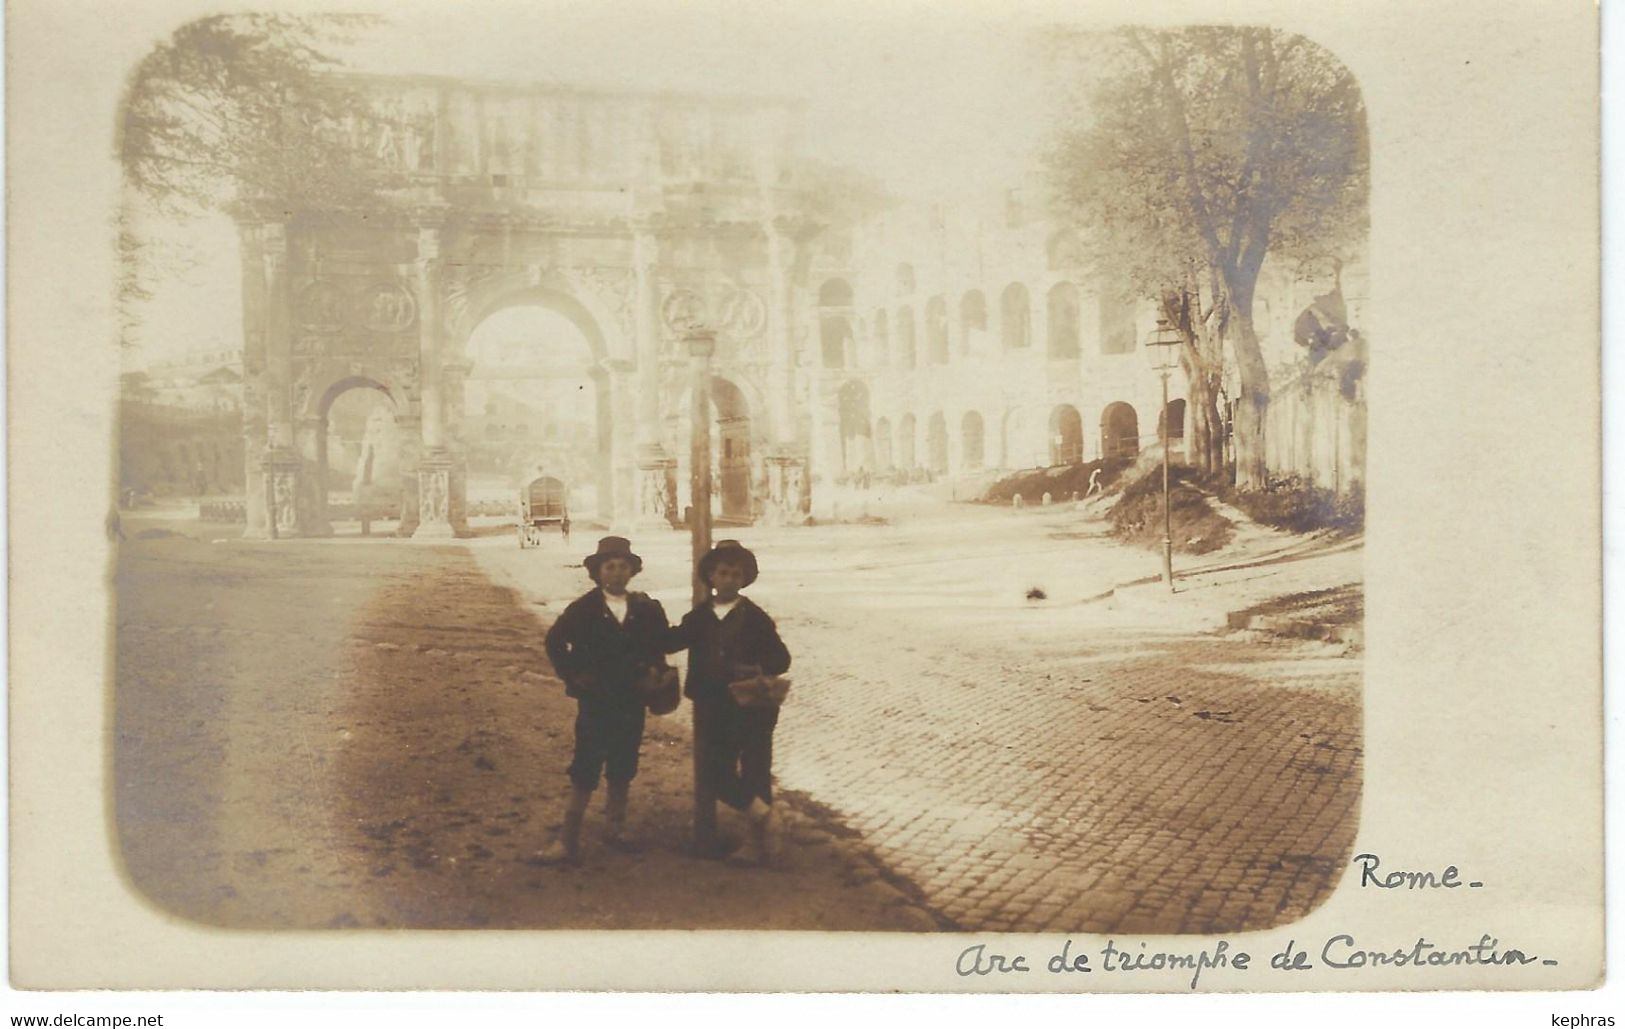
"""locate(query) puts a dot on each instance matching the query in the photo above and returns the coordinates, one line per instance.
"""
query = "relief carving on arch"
(610, 286)
(469, 286)
(344, 314)
(300, 392)
(737, 313)
(404, 379)
(433, 498)
(681, 310)
(387, 307)
(741, 314)
(285, 500)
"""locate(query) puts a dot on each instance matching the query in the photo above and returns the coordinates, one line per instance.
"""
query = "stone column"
(310, 444)
(781, 338)
(281, 471)
(435, 463)
(256, 517)
(788, 497)
(620, 474)
(821, 458)
(453, 376)
(410, 442)
(278, 335)
(656, 473)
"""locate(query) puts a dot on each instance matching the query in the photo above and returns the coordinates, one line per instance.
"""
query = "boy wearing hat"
(602, 646)
(728, 638)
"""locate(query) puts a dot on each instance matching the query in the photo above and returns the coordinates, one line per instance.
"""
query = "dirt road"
(366, 734)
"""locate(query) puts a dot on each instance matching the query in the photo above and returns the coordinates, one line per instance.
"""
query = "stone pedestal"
(434, 496)
(656, 489)
(788, 496)
(287, 514)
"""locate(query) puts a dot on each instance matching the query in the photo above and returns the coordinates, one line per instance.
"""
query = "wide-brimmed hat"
(608, 547)
(733, 552)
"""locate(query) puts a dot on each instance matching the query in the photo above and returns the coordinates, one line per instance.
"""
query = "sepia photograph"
(454, 404)
(817, 476)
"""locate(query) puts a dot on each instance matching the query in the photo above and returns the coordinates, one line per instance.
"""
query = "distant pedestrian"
(1094, 482)
(729, 639)
(604, 647)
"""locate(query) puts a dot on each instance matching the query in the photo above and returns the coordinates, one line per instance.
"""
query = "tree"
(1187, 157)
(242, 109)
(234, 113)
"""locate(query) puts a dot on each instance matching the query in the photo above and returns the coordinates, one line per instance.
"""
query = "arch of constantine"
(911, 343)
(634, 217)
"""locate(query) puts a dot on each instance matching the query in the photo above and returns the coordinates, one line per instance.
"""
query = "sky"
(942, 105)
(937, 108)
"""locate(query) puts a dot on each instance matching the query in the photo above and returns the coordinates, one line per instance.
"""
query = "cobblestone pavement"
(1060, 765)
(1124, 781)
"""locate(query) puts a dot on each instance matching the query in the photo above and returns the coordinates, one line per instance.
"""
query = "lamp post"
(702, 344)
(1162, 349)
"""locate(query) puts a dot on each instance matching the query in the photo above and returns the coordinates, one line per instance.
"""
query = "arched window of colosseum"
(905, 443)
(1171, 425)
(972, 320)
(936, 438)
(835, 334)
(881, 340)
(936, 330)
(1119, 431)
(1065, 435)
(857, 440)
(835, 324)
(1063, 321)
(883, 454)
(905, 337)
(1015, 316)
(971, 445)
(835, 293)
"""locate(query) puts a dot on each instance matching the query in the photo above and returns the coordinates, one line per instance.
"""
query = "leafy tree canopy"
(1188, 156)
(1210, 144)
(243, 110)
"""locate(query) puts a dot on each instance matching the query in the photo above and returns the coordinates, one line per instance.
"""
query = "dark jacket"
(721, 651)
(595, 654)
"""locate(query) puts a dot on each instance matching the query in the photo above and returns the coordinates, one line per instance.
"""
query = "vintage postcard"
(840, 497)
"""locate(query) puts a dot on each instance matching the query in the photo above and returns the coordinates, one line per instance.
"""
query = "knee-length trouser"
(737, 749)
(609, 732)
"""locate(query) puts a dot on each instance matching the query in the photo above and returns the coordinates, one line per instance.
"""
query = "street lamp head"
(1162, 346)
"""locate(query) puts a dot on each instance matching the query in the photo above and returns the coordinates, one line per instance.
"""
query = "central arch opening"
(535, 403)
(731, 497)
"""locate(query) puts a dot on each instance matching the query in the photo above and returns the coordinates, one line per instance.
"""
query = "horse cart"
(543, 507)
